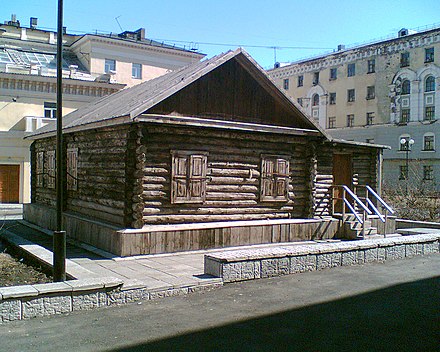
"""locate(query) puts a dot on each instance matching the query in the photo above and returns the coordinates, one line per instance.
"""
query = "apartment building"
(94, 65)
(385, 92)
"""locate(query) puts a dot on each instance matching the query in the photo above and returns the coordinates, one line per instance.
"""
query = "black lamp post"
(406, 144)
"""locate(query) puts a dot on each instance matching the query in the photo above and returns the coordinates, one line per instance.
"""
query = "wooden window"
(315, 78)
(286, 84)
(332, 100)
(274, 178)
(333, 74)
(300, 81)
(350, 120)
(331, 122)
(72, 169)
(371, 92)
(39, 169)
(370, 118)
(428, 173)
(429, 142)
(188, 177)
(50, 176)
(429, 113)
(351, 95)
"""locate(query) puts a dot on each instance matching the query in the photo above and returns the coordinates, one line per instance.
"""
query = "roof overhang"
(225, 125)
(359, 144)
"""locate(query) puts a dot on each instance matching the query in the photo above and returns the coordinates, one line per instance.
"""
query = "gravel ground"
(14, 272)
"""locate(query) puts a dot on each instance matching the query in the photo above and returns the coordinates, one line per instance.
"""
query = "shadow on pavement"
(404, 317)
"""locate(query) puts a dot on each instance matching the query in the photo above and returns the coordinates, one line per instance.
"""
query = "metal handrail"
(357, 200)
(385, 205)
(353, 210)
(376, 211)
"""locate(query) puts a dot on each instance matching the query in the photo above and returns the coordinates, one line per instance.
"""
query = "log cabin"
(212, 155)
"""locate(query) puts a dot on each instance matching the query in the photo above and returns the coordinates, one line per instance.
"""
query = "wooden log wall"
(233, 176)
(104, 188)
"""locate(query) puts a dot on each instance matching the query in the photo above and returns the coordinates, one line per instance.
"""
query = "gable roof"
(129, 104)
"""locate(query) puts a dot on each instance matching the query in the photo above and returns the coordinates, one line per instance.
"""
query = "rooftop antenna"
(116, 18)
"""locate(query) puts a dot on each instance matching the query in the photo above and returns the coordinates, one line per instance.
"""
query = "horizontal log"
(229, 196)
(231, 188)
(169, 219)
(233, 180)
(150, 170)
(247, 174)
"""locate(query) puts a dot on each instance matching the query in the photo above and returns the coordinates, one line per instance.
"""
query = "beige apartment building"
(94, 65)
(385, 92)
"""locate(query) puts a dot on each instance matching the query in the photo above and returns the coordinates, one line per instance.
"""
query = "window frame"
(351, 69)
(371, 66)
(370, 118)
(271, 178)
(331, 123)
(406, 87)
(431, 87)
(300, 82)
(429, 54)
(351, 95)
(286, 84)
(50, 110)
(332, 98)
(350, 120)
(428, 173)
(371, 92)
(333, 74)
(315, 80)
(72, 169)
(109, 65)
(136, 70)
(429, 113)
(404, 59)
(51, 169)
(405, 115)
(429, 144)
(189, 179)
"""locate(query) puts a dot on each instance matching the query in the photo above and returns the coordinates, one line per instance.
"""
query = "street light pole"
(407, 143)
(59, 236)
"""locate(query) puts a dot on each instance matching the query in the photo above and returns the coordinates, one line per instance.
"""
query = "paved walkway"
(175, 269)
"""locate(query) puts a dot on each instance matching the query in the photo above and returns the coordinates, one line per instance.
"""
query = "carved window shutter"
(51, 169)
(188, 177)
(39, 168)
(72, 169)
(274, 178)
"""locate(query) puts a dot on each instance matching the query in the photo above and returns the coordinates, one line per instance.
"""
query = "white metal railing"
(365, 207)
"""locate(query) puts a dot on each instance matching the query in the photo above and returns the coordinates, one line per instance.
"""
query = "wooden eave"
(225, 125)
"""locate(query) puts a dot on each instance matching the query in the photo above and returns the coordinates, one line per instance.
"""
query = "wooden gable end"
(231, 93)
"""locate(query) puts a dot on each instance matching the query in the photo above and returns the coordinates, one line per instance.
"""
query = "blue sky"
(320, 25)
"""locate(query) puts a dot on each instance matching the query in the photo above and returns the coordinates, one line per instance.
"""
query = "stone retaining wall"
(249, 264)
(31, 301)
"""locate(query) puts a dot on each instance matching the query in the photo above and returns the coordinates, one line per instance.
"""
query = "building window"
(370, 118)
(429, 55)
(371, 66)
(351, 70)
(136, 71)
(274, 178)
(331, 122)
(188, 177)
(300, 101)
(406, 87)
(428, 142)
(333, 74)
(430, 84)
(350, 120)
(428, 173)
(429, 113)
(50, 110)
(404, 59)
(332, 99)
(72, 169)
(110, 65)
(315, 100)
(300, 81)
(351, 95)
(403, 172)
(371, 92)
(315, 78)
(51, 169)
(286, 84)
(404, 115)
(39, 169)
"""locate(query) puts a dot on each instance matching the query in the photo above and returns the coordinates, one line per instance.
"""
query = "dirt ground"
(13, 272)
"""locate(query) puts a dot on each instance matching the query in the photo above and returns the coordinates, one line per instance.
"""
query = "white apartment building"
(386, 92)
(94, 65)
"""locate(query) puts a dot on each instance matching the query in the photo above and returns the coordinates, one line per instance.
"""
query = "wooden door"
(342, 175)
(9, 183)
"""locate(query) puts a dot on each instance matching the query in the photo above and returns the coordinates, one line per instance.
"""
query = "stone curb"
(249, 264)
(31, 301)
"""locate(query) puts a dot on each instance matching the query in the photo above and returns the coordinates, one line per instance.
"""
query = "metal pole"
(407, 166)
(59, 236)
